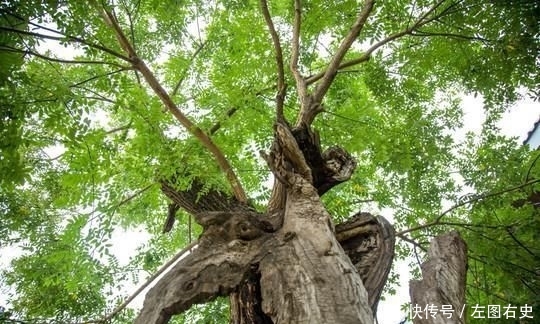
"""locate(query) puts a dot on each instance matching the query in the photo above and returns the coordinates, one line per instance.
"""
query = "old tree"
(273, 132)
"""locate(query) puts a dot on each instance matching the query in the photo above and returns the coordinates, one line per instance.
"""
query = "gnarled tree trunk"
(289, 264)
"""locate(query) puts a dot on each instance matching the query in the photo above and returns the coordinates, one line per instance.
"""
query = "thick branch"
(230, 245)
(280, 97)
(220, 158)
(301, 86)
(333, 67)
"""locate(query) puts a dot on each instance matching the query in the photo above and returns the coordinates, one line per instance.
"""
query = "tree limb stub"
(301, 153)
(444, 275)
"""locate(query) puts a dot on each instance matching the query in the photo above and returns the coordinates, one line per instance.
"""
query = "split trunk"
(289, 264)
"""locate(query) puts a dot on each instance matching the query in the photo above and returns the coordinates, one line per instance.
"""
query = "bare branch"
(295, 54)
(476, 198)
(63, 38)
(5, 48)
(280, 97)
(333, 67)
(152, 81)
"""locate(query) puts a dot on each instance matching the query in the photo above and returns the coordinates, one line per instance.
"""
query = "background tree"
(157, 96)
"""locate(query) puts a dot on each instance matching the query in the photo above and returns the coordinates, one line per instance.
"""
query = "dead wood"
(444, 275)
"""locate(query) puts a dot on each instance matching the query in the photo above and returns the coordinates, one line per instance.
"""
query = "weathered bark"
(229, 247)
(288, 265)
(369, 242)
(443, 283)
(308, 278)
(194, 203)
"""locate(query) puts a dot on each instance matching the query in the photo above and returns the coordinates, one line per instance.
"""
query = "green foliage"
(84, 139)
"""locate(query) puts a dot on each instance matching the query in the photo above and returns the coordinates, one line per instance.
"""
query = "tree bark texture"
(444, 275)
(289, 264)
(308, 278)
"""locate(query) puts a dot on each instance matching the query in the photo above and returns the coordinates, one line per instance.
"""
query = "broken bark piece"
(369, 242)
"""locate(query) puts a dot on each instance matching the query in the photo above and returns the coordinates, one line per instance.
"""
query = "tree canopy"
(101, 100)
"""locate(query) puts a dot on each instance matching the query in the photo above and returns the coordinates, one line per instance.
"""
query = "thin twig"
(118, 129)
(531, 166)
(148, 281)
(64, 38)
(184, 73)
(5, 48)
(449, 35)
(518, 242)
(477, 198)
(217, 125)
(100, 76)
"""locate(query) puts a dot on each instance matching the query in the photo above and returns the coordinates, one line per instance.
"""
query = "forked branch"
(333, 67)
(152, 81)
(422, 20)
